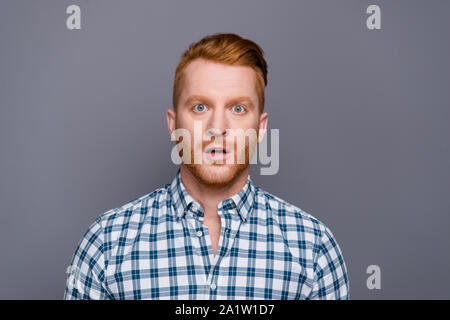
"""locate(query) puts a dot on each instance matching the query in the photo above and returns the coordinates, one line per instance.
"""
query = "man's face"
(219, 97)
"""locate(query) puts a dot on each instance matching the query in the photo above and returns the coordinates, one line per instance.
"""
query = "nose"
(217, 124)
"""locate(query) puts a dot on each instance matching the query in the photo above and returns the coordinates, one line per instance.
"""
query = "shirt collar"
(243, 200)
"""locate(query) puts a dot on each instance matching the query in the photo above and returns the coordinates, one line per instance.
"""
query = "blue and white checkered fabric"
(156, 247)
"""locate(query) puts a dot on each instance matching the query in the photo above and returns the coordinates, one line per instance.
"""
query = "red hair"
(227, 48)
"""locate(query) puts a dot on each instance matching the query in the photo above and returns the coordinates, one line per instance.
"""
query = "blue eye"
(200, 107)
(238, 109)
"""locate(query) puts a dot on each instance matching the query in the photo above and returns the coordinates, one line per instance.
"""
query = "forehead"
(205, 77)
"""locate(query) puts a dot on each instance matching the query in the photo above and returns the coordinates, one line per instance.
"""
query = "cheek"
(195, 127)
(183, 120)
(249, 121)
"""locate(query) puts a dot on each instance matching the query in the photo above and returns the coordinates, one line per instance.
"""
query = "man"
(211, 233)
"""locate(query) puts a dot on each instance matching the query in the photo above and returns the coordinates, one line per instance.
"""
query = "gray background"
(363, 118)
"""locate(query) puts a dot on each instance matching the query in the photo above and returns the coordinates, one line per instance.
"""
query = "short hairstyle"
(227, 48)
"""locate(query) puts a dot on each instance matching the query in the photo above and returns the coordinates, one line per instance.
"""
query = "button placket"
(199, 233)
(196, 220)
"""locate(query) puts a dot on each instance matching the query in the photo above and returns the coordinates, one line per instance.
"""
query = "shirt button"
(213, 286)
(194, 207)
(199, 233)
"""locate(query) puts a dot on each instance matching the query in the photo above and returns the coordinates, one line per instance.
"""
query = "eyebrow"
(240, 99)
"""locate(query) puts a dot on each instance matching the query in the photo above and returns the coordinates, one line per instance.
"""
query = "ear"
(171, 120)
(263, 118)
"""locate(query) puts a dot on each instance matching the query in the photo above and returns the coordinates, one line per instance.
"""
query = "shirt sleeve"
(86, 271)
(330, 281)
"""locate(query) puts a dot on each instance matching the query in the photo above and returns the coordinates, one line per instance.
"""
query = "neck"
(210, 196)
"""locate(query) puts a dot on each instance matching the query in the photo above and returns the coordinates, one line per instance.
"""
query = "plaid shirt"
(157, 247)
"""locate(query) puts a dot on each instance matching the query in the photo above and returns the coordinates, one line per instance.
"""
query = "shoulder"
(303, 231)
(117, 227)
(289, 211)
(311, 242)
(292, 218)
(136, 210)
(120, 225)
(128, 219)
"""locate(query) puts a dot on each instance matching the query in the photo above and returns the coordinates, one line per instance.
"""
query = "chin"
(216, 175)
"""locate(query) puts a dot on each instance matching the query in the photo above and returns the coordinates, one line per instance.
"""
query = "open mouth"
(216, 150)
(216, 153)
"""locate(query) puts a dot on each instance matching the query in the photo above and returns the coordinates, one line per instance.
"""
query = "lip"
(216, 156)
(211, 148)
